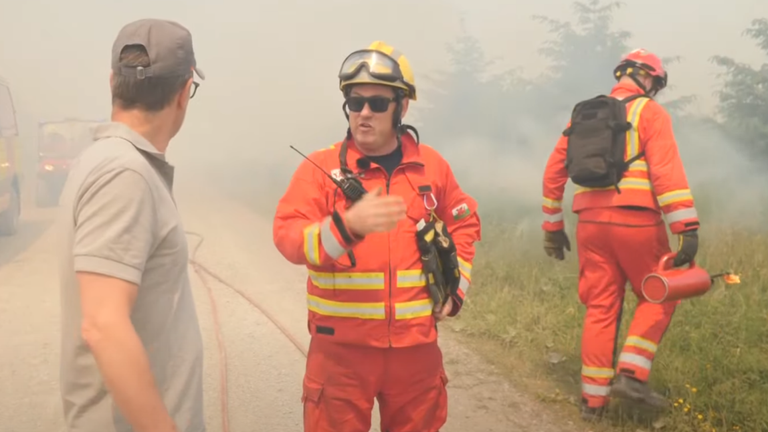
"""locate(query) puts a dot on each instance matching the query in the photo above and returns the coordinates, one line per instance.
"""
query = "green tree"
(583, 55)
(743, 98)
(467, 100)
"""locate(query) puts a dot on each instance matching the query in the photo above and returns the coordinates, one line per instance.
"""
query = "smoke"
(271, 82)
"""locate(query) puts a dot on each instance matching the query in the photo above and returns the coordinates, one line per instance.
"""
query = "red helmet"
(645, 63)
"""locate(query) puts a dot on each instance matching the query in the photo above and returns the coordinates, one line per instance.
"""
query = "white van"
(10, 166)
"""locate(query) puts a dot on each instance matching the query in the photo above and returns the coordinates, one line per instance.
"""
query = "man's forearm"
(124, 365)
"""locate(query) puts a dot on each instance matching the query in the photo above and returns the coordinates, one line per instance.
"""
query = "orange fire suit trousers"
(616, 245)
(341, 382)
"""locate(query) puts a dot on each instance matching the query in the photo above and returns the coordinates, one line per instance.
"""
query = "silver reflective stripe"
(636, 360)
(464, 285)
(414, 309)
(595, 390)
(332, 247)
(678, 215)
(346, 310)
(638, 342)
(557, 217)
(348, 281)
(410, 279)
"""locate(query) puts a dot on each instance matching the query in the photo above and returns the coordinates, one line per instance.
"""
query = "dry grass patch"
(712, 364)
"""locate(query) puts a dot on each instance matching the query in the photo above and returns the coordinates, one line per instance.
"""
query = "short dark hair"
(151, 94)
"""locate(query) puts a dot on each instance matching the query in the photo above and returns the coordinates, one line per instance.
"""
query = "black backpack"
(597, 142)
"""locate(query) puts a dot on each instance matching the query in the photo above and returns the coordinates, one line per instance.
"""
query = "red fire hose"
(203, 272)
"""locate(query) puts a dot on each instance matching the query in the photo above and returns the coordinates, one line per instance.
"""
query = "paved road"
(264, 368)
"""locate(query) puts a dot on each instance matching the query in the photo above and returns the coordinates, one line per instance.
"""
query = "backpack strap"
(629, 99)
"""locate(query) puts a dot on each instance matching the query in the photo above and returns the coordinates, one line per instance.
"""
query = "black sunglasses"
(377, 104)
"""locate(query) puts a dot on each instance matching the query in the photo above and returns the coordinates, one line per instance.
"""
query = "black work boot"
(626, 387)
(592, 414)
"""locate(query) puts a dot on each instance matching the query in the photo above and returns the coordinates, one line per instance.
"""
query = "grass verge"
(523, 315)
(711, 364)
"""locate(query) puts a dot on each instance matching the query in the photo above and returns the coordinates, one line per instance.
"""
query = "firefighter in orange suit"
(621, 238)
(371, 317)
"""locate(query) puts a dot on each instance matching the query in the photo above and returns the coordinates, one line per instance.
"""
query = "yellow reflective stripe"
(312, 243)
(596, 372)
(414, 309)
(674, 196)
(633, 136)
(344, 309)
(551, 203)
(638, 342)
(465, 269)
(411, 279)
(625, 183)
(348, 281)
(465, 264)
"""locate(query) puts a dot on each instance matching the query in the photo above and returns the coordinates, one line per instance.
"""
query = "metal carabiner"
(434, 200)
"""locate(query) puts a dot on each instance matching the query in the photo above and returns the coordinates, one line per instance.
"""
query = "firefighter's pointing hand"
(375, 213)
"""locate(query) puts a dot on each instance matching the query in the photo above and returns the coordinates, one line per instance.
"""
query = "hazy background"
(271, 78)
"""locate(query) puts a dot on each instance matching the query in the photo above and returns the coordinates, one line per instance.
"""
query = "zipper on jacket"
(389, 254)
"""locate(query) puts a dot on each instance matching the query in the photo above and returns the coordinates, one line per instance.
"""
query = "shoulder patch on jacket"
(460, 212)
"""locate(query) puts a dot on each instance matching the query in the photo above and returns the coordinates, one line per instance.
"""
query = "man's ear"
(111, 78)
(183, 97)
(406, 102)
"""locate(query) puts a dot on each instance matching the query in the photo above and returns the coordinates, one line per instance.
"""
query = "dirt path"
(239, 245)
(264, 368)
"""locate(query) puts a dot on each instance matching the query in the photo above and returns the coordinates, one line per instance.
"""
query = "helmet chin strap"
(650, 92)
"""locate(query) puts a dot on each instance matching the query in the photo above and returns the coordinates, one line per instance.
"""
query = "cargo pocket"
(441, 408)
(444, 379)
(443, 388)
(312, 393)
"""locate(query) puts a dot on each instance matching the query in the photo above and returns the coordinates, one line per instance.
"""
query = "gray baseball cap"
(169, 45)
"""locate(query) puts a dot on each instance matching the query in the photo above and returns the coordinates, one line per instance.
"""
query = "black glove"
(686, 251)
(554, 242)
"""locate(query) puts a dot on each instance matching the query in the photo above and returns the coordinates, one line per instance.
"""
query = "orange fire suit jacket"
(383, 301)
(656, 181)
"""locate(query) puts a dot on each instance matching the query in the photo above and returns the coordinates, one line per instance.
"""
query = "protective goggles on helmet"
(626, 66)
(380, 66)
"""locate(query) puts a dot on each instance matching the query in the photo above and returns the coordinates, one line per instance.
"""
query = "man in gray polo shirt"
(131, 354)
